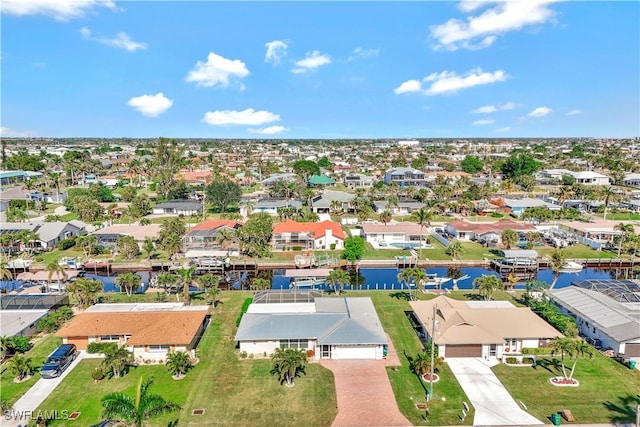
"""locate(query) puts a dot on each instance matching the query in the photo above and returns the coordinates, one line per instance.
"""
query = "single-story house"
(20, 313)
(324, 203)
(178, 207)
(273, 179)
(269, 206)
(49, 233)
(328, 328)
(150, 331)
(204, 236)
(490, 329)
(581, 177)
(395, 234)
(595, 233)
(20, 322)
(518, 206)
(356, 180)
(400, 208)
(321, 181)
(110, 181)
(632, 180)
(465, 230)
(606, 311)
(195, 177)
(108, 235)
(308, 235)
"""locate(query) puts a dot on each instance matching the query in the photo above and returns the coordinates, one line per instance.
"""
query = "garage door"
(464, 350)
(80, 342)
(632, 350)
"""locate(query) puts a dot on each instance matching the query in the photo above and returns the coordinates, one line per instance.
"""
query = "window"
(299, 344)
(109, 338)
(158, 347)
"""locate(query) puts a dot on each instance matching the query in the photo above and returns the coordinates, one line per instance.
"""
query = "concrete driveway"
(33, 398)
(492, 402)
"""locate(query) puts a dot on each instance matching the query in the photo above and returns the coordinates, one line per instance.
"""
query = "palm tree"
(404, 277)
(454, 249)
(178, 363)
(86, 242)
(5, 273)
(385, 217)
(20, 367)
(337, 279)
(487, 285)
(117, 360)
(509, 238)
(128, 282)
(225, 238)
(137, 410)
(148, 246)
(85, 291)
(572, 347)
(423, 217)
(625, 230)
(421, 364)
(557, 261)
(287, 363)
(512, 279)
(608, 196)
(55, 269)
(419, 277)
(186, 277)
(167, 280)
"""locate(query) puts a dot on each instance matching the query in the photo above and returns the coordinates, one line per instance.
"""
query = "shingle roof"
(145, 328)
(214, 224)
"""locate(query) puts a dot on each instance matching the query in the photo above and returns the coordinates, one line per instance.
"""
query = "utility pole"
(433, 347)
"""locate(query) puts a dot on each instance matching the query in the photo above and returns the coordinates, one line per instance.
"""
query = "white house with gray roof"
(606, 310)
(328, 328)
(49, 233)
(323, 202)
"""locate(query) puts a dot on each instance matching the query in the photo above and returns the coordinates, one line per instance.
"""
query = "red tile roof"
(214, 224)
(195, 175)
(316, 228)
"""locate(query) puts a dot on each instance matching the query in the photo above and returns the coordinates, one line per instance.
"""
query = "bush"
(20, 344)
(243, 355)
(66, 243)
(332, 246)
(511, 360)
(297, 248)
(38, 258)
(243, 310)
(55, 320)
(98, 374)
(101, 347)
(528, 360)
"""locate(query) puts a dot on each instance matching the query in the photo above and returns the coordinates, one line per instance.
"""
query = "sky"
(298, 69)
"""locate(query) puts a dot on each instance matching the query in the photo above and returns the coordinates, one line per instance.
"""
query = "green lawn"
(11, 391)
(230, 390)
(408, 389)
(578, 251)
(475, 251)
(622, 216)
(604, 384)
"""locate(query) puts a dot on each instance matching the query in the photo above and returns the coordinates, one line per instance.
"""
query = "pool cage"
(279, 296)
(619, 290)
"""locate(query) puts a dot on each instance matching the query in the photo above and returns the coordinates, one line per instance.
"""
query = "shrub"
(310, 353)
(55, 320)
(66, 244)
(297, 248)
(101, 347)
(98, 374)
(38, 258)
(511, 360)
(243, 310)
(332, 246)
(528, 360)
(20, 344)
(243, 354)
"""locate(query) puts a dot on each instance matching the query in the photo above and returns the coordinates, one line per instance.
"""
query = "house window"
(109, 338)
(299, 344)
(158, 348)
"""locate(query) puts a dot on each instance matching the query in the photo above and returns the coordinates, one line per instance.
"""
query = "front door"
(326, 352)
(493, 350)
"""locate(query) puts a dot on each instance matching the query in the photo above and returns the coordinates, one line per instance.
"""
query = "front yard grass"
(10, 391)
(604, 383)
(232, 391)
(578, 251)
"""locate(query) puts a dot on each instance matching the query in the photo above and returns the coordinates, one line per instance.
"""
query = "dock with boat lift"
(307, 278)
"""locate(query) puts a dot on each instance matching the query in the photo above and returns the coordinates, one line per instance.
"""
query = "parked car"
(58, 361)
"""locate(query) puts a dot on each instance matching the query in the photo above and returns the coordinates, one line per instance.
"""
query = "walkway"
(364, 393)
(492, 402)
(33, 398)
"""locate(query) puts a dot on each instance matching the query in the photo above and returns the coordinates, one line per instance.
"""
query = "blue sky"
(534, 68)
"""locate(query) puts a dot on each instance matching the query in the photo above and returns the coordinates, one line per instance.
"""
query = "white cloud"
(502, 130)
(121, 40)
(508, 106)
(485, 110)
(313, 60)
(483, 122)
(6, 132)
(481, 31)
(151, 105)
(574, 112)
(248, 117)
(449, 82)
(408, 87)
(270, 130)
(217, 71)
(61, 10)
(540, 112)
(361, 53)
(275, 51)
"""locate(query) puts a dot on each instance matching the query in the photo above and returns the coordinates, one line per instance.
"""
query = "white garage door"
(353, 352)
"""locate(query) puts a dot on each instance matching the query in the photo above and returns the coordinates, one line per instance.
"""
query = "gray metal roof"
(15, 321)
(613, 318)
(335, 321)
(180, 204)
(519, 253)
(276, 203)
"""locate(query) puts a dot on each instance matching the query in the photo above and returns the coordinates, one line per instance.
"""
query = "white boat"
(71, 262)
(433, 281)
(571, 267)
(19, 263)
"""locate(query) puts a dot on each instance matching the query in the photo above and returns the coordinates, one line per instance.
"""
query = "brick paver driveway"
(364, 393)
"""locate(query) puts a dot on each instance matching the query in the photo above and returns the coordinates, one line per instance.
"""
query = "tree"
(170, 236)
(608, 195)
(509, 238)
(557, 261)
(454, 249)
(423, 217)
(385, 216)
(57, 270)
(287, 363)
(20, 367)
(128, 193)
(186, 277)
(116, 360)
(255, 235)
(421, 364)
(305, 169)
(222, 193)
(16, 214)
(139, 206)
(625, 231)
(5, 273)
(88, 209)
(337, 279)
(168, 161)
(573, 348)
(127, 247)
(167, 281)
(471, 164)
(139, 409)
(518, 164)
(128, 282)
(487, 285)
(178, 363)
(85, 291)
(353, 249)
(86, 242)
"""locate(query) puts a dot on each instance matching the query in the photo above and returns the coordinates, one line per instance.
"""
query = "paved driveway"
(492, 402)
(364, 393)
(34, 397)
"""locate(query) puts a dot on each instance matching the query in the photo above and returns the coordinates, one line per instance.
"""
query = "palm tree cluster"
(411, 278)
(287, 364)
(573, 348)
(487, 285)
